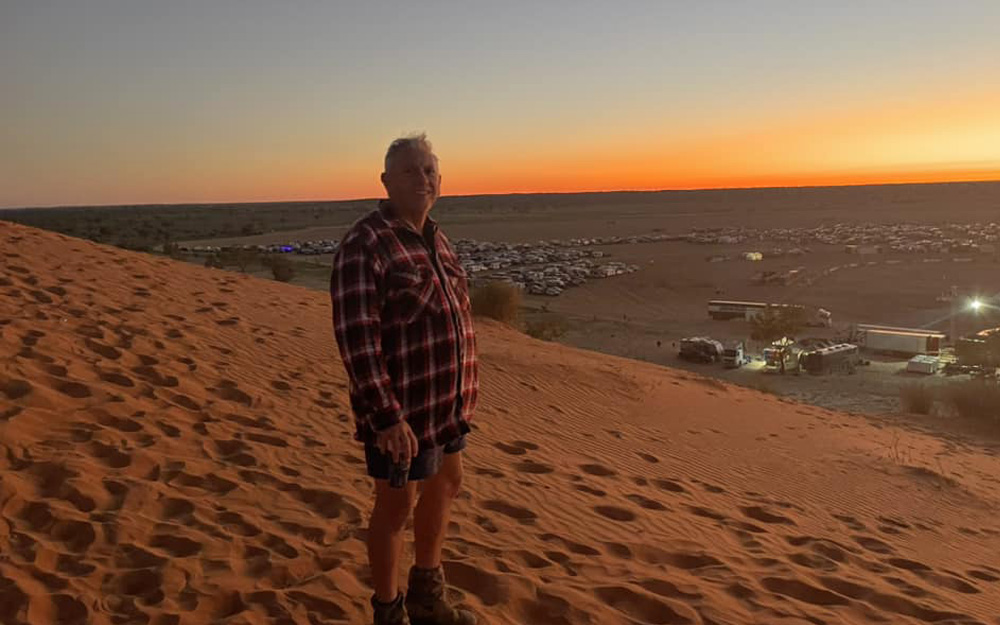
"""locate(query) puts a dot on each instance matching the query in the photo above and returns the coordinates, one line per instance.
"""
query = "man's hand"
(399, 442)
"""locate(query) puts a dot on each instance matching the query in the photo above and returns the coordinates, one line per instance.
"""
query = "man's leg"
(385, 536)
(430, 519)
(426, 601)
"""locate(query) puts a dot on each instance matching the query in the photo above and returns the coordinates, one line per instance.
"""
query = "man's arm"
(357, 302)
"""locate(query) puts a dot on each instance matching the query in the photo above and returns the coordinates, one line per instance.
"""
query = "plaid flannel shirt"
(403, 324)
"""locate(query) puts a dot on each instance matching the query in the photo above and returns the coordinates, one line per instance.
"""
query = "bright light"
(975, 305)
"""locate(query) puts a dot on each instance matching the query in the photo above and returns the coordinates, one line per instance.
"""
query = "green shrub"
(916, 398)
(497, 300)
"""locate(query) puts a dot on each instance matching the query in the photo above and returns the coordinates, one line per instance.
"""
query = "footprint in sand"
(590, 491)
(984, 576)
(536, 468)
(639, 607)
(597, 469)
(176, 546)
(111, 456)
(185, 402)
(170, 430)
(273, 441)
(116, 378)
(707, 513)
(235, 523)
(486, 524)
(646, 502)
(851, 522)
(671, 486)
(874, 545)
(14, 388)
(510, 449)
(488, 472)
(515, 512)
(229, 391)
(615, 513)
(759, 513)
(801, 591)
(574, 547)
(153, 376)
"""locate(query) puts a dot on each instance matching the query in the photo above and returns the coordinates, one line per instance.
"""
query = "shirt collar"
(389, 215)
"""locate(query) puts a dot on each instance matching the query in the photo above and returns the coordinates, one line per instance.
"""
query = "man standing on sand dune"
(403, 323)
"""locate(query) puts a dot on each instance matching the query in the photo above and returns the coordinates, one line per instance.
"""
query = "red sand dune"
(175, 447)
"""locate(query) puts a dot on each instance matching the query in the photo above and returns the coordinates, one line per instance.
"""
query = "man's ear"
(382, 178)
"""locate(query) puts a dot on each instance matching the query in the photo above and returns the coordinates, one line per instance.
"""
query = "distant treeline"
(144, 227)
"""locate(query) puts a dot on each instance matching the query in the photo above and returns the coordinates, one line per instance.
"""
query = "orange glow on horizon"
(934, 140)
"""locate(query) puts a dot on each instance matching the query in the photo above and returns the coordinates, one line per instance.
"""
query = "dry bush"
(281, 268)
(497, 300)
(976, 399)
(547, 329)
(917, 398)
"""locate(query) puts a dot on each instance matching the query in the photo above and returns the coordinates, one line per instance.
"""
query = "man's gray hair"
(409, 142)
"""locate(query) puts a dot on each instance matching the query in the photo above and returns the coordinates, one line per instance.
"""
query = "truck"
(899, 341)
(735, 356)
(700, 349)
(843, 357)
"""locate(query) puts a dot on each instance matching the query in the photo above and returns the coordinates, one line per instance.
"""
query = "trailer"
(700, 349)
(729, 309)
(843, 357)
(901, 341)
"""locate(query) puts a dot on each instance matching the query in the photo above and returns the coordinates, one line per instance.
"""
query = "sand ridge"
(175, 447)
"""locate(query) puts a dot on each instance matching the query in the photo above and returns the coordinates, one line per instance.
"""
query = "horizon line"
(512, 193)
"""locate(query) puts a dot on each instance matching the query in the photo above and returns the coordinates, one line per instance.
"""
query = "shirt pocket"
(459, 282)
(412, 294)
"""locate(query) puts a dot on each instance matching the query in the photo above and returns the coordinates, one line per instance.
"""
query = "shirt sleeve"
(357, 302)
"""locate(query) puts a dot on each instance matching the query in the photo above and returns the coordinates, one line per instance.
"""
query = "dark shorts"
(426, 464)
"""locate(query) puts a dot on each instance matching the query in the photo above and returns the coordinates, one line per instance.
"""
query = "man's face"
(413, 181)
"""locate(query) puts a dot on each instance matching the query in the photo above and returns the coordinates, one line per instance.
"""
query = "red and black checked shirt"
(403, 323)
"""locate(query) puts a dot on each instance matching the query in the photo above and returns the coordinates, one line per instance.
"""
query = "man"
(403, 323)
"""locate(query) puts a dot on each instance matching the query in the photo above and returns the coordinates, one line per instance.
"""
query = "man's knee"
(393, 505)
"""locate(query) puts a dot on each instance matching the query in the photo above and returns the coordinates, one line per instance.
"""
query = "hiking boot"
(426, 603)
(390, 613)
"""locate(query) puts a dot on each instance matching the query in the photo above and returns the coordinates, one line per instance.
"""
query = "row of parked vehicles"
(816, 357)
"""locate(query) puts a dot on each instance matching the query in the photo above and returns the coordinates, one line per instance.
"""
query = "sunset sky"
(143, 101)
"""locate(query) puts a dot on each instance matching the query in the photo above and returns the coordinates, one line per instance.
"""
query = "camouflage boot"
(426, 603)
(390, 613)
